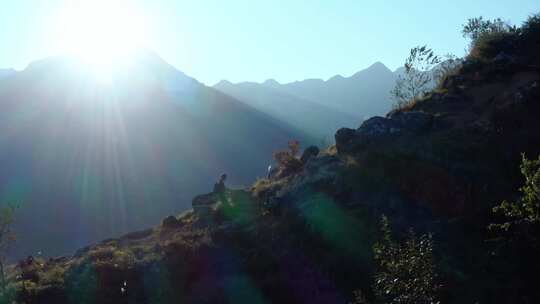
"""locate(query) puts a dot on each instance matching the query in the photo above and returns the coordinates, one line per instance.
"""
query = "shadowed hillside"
(305, 234)
(319, 106)
(320, 121)
(118, 154)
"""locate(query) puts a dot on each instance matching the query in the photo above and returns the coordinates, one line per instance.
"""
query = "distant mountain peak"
(378, 66)
(375, 69)
(336, 78)
(223, 83)
(271, 82)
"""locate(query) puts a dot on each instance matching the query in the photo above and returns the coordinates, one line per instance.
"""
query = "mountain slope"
(320, 107)
(364, 94)
(307, 236)
(106, 156)
(318, 120)
(6, 72)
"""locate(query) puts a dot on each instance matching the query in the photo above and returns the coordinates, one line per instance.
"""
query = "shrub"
(406, 271)
(531, 27)
(517, 237)
(489, 45)
(418, 77)
(489, 37)
(477, 27)
(449, 66)
(287, 160)
(522, 217)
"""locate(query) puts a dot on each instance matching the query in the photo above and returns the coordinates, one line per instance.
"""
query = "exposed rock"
(309, 153)
(396, 124)
(203, 204)
(345, 139)
(413, 120)
(170, 222)
(319, 173)
(379, 126)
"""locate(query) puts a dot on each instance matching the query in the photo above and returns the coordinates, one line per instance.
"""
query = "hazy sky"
(255, 40)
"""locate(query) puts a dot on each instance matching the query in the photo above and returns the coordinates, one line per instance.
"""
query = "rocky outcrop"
(170, 222)
(203, 204)
(309, 153)
(397, 123)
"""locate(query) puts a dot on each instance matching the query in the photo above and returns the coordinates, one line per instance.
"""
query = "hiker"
(219, 187)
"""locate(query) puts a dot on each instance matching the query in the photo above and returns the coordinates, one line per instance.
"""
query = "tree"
(477, 27)
(7, 237)
(406, 271)
(418, 78)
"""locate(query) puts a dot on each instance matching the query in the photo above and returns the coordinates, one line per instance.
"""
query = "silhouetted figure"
(219, 187)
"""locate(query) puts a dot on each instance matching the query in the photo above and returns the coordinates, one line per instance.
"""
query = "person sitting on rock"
(219, 187)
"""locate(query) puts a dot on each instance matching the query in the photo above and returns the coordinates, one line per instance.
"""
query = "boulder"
(397, 123)
(345, 139)
(202, 204)
(413, 121)
(309, 153)
(170, 222)
(379, 126)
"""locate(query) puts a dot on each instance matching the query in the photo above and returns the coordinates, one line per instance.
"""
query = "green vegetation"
(417, 79)
(477, 28)
(287, 160)
(7, 237)
(406, 270)
(307, 234)
(522, 217)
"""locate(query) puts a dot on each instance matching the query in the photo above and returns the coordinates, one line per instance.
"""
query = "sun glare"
(101, 32)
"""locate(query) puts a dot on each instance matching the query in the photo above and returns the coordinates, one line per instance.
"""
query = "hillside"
(115, 155)
(305, 234)
(5, 73)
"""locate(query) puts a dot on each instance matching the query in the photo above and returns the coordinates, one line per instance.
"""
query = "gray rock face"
(309, 153)
(413, 121)
(345, 139)
(376, 128)
(379, 126)
(202, 204)
(319, 172)
(170, 222)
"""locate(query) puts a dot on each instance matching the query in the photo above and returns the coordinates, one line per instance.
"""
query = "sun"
(101, 32)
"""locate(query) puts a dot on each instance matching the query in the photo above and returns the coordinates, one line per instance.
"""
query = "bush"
(522, 217)
(287, 160)
(418, 78)
(406, 271)
(531, 27)
(490, 45)
(517, 237)
(489, 37)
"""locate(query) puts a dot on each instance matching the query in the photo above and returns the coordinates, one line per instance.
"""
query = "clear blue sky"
(286, 40)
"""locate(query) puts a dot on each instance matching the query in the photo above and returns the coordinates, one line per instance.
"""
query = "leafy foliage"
(449, 65)
(417, 79)
(532, 25)
(287, 160)
(477, 27)
(489, 37)
(522, 217)
(406, 271)
(7, 237)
